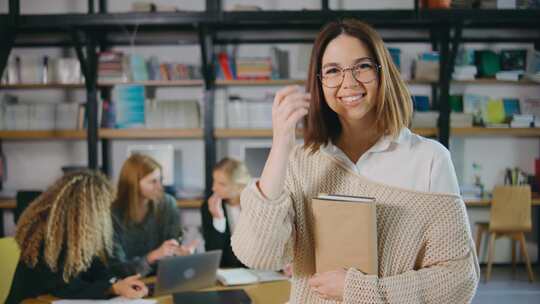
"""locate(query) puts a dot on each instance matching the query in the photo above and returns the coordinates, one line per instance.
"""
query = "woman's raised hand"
(290, 105)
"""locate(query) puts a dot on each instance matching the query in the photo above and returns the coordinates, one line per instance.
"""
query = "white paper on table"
(118, 300)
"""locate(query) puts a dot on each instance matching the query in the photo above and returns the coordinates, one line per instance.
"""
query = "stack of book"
(522, 121)
(111, 67)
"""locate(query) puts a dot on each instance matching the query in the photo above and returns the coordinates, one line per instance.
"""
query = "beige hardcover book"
(345, 233)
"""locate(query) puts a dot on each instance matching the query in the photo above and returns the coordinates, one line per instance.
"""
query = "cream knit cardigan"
(425, 249)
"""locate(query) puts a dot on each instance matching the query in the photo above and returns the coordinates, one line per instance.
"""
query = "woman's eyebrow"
(332, 64)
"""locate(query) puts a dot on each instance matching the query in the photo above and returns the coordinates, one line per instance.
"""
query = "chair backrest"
(511, 209)
(9, 257)
(24, 198)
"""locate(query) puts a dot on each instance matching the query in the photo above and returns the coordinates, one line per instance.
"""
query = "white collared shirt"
(408, 161)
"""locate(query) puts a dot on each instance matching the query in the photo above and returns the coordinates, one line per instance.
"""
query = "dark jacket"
(28, 282)
(214, 239)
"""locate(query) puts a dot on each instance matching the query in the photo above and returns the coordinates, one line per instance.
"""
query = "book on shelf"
(358, 221)
(244, 276)
(129, 104)
(494, 111)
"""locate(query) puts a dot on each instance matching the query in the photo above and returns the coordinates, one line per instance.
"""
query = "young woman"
(65, 237)
(146, 220)
(221, 212)
(356, 142)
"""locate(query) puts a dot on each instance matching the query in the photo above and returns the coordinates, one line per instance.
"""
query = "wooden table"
(263, 293)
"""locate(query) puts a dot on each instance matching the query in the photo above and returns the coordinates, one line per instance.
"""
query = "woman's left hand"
(329, 285)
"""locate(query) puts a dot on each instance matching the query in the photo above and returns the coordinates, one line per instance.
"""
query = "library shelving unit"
(444, 29)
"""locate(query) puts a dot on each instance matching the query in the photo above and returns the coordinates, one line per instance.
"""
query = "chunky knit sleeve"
(264, 234)
(447, 269)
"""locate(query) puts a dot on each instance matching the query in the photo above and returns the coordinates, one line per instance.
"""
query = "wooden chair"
(510, 216)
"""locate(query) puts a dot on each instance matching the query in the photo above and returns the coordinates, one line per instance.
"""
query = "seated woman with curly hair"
(66, 237)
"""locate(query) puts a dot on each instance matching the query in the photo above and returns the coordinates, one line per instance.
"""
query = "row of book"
(130, 108)
(502, 112)
(276, 66)
(116, 66)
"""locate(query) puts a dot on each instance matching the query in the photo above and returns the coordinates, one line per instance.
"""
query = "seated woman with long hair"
(146, 220)
(65, 237)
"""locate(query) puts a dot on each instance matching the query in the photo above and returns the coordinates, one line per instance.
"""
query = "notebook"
(345, 233)
(242, 276)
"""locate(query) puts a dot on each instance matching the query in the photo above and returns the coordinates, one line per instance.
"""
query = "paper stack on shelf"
(522, 121)
(464, 72)
(461, 120)
(172, 114)
(66, 115)
(426, 119)
(42, 117)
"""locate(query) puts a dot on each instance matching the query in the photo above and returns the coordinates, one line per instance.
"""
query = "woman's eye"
(331, 71)
(364, 66)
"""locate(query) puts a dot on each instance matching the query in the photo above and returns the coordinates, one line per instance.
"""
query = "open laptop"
(186, 273)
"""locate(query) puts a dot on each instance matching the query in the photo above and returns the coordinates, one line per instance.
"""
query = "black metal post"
(103, 6)
(14, 8)
(444, 81)
(324, 5)
(91, 7)
(92, 102)
(207, 53)
(213, 6)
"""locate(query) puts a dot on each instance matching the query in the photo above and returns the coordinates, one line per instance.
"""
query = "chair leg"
(525, 254)
(513, 244)
(478, 241)
(491, 248)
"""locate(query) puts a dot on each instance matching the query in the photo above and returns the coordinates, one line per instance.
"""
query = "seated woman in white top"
(220, 213)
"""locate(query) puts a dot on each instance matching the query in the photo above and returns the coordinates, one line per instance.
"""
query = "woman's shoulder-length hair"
(393, 104)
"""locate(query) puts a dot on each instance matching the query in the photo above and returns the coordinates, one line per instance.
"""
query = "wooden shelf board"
(7, 203)
(427, 132)
(43, 134)
(480, 131)
(41, 86)
(271, 82)
(246, 133)
(150, 133)
(280, 82)
(241, 133)
(149, 83)
(492, 81)
(486, 203)
(10, 203)
(189, 203)
(159, 83)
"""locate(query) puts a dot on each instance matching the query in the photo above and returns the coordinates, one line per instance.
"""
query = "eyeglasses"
(364, 72)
